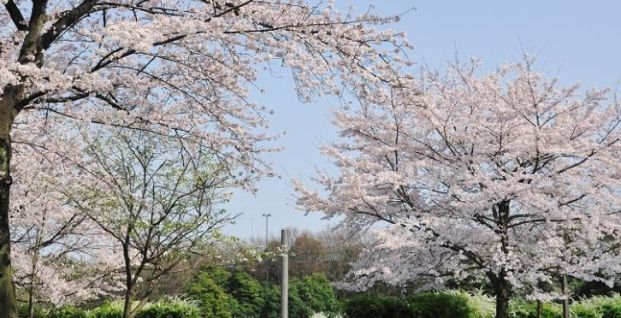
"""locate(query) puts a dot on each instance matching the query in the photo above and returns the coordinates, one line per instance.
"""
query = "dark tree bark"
(8, 304)
(503, 295)
(499, 281)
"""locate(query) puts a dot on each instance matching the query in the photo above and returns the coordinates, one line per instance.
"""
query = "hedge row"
(171, 309)
(464, 305)
(425, 305)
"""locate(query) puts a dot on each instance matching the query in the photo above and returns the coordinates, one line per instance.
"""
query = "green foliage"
(485, 306)
(234, 293)
(38, 311)
(371, 306)
(177, 309)
(439, 305)
(213, 300)
(424, 305)
(68, 312)
(248, 294)
(608, 307)
(113, 310)
(522, 309)
(312, 294)
(584, 310)
(271, 308)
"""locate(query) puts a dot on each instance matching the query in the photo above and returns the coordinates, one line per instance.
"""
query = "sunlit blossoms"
(176, 69)
(508, 176)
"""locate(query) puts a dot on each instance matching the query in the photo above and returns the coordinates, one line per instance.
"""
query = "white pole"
(266, 216)
(284, 282)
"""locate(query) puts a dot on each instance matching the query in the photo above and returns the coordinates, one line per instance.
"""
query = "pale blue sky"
(578, 41)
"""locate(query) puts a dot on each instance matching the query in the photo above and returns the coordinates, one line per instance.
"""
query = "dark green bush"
(169, 310)
(248, 295)
(440, 305)
(312, 294)
(67, 312)
(372, 306)
(424, 305)
(214, 302)
(271, 308)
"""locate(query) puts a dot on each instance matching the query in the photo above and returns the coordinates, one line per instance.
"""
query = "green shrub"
(441, 305)
(425, 305)
(248, 294)
(372, 306)
(213, 301)
(313, 294)
(271, 307)
(67, 312)
(585, 310)
(610, 309)
(113, 310)
(523, 309)
(37, 311)
(177, 309)
(484, 305)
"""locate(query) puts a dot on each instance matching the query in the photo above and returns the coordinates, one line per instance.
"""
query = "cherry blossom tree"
(509, 176)
(58, 258)
(172, 67)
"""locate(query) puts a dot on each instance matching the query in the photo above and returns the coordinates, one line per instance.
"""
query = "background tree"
(343, 248)
(329, 252)
(507, 176)
(308, 255)
(176, 67)
(156, 199)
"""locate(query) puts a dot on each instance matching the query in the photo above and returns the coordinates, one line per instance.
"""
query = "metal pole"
(266, 215)
(284, 277)
(566, 300)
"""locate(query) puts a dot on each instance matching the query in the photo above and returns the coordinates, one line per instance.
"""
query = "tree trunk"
(566, 299)
(503, 294)
(129, 282)
(8, 304)
(502, 286)
(127, 304)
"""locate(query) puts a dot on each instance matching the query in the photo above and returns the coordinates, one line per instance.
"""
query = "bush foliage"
(424, 305)
(225, 294)
(220, 293)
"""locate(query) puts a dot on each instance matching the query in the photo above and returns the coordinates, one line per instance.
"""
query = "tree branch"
(16, 15)
(67, 20)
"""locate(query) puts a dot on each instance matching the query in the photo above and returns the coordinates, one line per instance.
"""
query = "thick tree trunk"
(8, 304)
(503, 294)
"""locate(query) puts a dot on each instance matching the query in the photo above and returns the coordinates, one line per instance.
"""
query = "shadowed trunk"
(501, 285)
(503, 294)
(8, 305)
